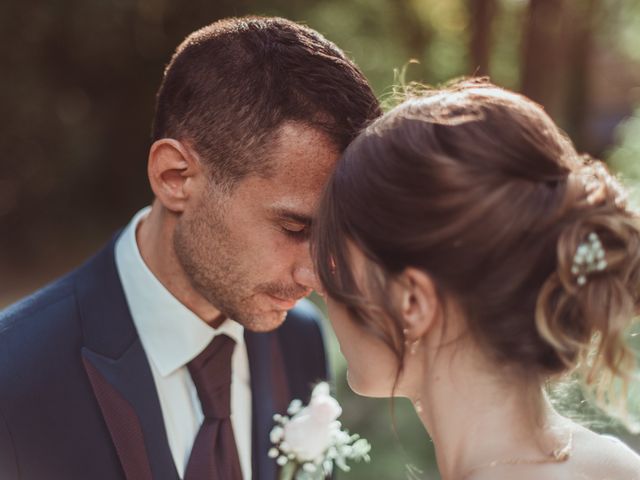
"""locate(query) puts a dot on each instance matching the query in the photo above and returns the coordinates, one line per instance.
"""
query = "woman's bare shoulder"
(593, 457)
(605, 457)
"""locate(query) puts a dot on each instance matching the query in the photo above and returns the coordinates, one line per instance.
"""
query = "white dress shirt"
(172, 335)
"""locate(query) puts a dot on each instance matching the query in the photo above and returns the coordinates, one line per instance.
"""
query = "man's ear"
(172, 168)
(418, 302)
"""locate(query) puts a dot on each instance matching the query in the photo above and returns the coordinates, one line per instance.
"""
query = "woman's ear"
(418, 302)
(172, 168)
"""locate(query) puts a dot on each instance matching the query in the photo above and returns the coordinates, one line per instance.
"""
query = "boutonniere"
(309, 441)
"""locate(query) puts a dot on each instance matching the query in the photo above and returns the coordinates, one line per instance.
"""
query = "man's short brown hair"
(231, 84)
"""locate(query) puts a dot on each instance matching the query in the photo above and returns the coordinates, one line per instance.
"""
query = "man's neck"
(154, 238)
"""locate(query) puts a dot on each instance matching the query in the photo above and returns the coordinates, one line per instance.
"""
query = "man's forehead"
(299, 150)
(288, 193)
(302, 162)
(297, 193)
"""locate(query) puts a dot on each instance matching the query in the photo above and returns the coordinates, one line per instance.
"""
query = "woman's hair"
(477, 187)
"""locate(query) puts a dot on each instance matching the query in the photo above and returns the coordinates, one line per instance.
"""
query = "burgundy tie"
(214, 455)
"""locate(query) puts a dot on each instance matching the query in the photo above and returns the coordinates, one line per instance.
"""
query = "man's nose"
(305, 276)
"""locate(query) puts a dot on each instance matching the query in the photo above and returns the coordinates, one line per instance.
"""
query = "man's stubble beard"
(210, 258)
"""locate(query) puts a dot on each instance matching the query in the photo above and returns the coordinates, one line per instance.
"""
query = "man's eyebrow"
(298, 217)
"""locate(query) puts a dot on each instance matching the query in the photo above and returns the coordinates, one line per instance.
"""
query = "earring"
(412, 345)
(418, 406)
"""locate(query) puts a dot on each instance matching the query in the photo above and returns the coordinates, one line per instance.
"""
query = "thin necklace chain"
(559, 455)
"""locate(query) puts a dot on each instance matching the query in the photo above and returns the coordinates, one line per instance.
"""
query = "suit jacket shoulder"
(31, 333)
(47, 405)
(24, 313)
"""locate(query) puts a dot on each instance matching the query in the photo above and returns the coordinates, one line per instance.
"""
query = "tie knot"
(211, 374)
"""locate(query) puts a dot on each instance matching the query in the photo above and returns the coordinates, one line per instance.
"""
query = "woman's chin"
(367, 387)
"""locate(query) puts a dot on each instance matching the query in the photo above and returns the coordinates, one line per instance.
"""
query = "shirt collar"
(171, 334)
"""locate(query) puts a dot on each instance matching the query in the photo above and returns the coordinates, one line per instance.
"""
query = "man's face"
(247, 252)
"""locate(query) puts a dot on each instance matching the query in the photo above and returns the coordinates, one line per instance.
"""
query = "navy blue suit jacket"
(77, 398)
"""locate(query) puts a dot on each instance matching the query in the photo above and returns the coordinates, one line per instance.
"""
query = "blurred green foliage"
(79, 78)
(624, 157)
(77, 91)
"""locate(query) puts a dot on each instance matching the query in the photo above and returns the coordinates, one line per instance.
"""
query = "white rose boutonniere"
(310, 441)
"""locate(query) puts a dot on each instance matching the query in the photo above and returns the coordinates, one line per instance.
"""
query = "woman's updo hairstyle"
(476, 186)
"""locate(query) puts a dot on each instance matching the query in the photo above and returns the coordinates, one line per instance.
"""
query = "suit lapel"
(120, 374)
(121, 418)
(270, 395)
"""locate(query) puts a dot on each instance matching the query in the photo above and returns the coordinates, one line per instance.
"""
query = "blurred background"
(77, 91)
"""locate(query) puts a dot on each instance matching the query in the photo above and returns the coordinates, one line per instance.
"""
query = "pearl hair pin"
(589, 257)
